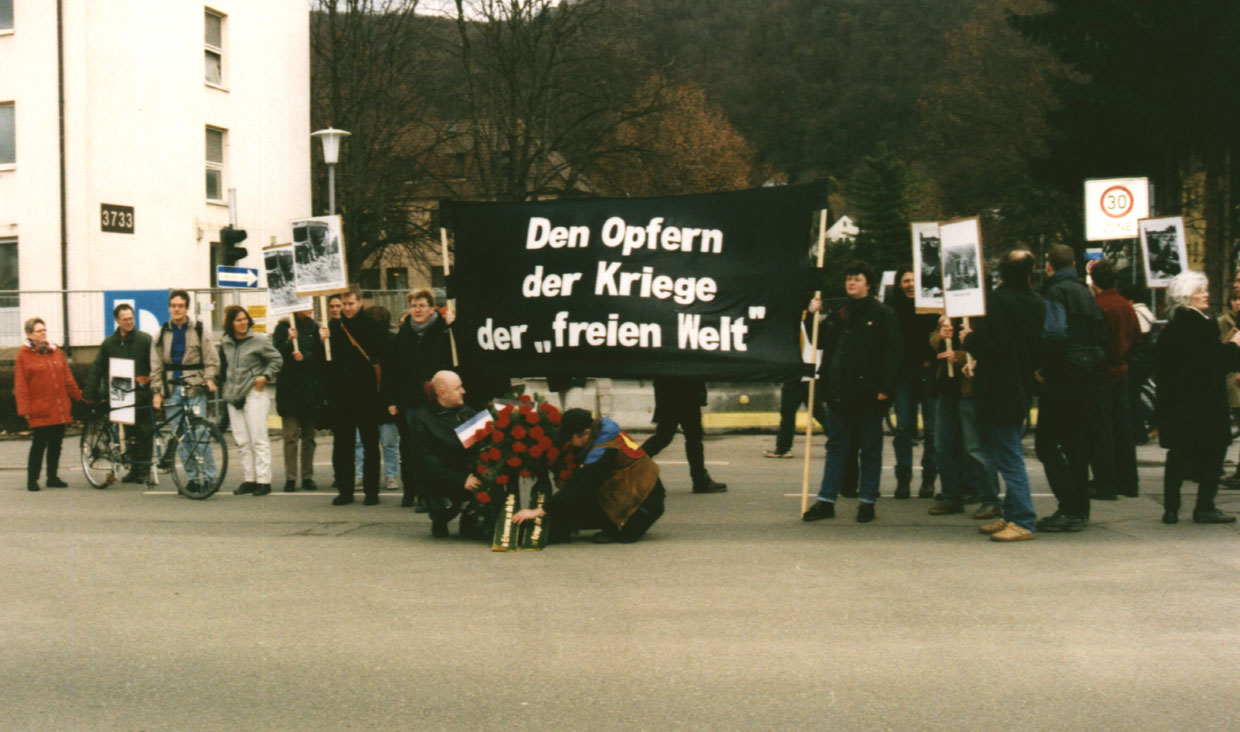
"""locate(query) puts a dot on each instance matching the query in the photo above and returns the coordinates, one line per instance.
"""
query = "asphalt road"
(123, 610)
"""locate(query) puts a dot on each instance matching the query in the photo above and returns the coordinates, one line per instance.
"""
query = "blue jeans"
(196, 403)
(981, 466)
(389, 445)
(1003, 443)
(913, 389)
(863, 427)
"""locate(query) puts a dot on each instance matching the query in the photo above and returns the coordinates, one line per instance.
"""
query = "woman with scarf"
(44, 389)
(421, 348)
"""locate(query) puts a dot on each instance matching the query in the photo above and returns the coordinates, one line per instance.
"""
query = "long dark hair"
(230, 314)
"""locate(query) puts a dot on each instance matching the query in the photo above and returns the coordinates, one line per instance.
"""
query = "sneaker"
(992, 527)
(1012, 532)
(944, 508)
(1231, 482)
(393, 483)
(245, 488)
(290, 486)
(987, 512)
(1214, 516)
(342, 500)
(819, 511)
(777, 453)
(865, 513)
(709, 485)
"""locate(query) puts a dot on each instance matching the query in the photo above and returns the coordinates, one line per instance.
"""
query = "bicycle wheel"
(99, 452)
(201, 460)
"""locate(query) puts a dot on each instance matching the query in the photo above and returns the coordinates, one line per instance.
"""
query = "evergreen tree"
(878, 195)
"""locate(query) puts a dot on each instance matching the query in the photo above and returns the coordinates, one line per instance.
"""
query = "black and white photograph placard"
(282, 299)
(318, 256)
(121, 397)
(927, 266)
(964, 293)
(706, 286)
(1164, 249)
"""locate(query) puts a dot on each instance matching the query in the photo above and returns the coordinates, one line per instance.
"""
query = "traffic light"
(230, 238)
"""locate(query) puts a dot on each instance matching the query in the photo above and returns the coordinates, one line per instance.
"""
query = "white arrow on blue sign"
(226, 276)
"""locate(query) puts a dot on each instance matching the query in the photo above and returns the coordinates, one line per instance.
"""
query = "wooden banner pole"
(809, 417)
(326, 321)
(451, 302)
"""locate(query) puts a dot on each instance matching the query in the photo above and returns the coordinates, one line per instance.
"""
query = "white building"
(167, 105)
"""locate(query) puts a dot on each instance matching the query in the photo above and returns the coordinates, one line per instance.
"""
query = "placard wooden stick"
(809, 417)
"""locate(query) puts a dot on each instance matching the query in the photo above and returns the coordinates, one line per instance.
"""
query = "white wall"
(137, 108)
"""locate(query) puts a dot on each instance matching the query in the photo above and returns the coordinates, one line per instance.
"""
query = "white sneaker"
(393, 483)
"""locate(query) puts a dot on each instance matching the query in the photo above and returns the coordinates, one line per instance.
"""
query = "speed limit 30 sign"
(1114, 205)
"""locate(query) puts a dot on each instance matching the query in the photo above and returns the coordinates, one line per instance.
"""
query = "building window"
(8, 273)
(368, 279)
(6, 15)
(213, 53)
(398, 278)
(8, 134)
(215, 164)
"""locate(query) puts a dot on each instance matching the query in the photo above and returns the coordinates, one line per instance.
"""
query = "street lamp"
(331, 138)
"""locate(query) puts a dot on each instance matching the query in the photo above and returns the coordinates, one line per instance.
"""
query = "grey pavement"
(125, 610)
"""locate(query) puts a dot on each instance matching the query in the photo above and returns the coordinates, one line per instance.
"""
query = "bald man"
(442, 462)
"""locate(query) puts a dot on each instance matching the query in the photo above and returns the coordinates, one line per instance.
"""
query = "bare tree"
(542, 95)
(373, 73)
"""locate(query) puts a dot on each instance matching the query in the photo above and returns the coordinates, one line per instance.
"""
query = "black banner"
(708, 286)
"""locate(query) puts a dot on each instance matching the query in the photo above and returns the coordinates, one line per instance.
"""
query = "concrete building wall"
(137, 109)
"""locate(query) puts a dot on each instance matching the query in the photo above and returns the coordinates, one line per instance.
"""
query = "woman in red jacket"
(43, 386)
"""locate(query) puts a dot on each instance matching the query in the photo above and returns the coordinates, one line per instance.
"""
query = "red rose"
(503, 421)
(482, 470)
(513, 462)
(519, 447)
(507, 410)
(537, 433)
(536, 451)
(495, 454)
(531, 418)
(518, 432)
(526, 398)
(564, 474)
(484, 456)
(554, 417)
(544, 443)
(501, 480)
(552, 454)
(497, 437)
(524, 473)
(483, 497)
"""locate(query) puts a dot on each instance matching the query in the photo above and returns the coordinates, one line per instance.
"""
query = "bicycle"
(187, 445)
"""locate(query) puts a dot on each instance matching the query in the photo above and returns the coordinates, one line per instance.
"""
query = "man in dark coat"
(679, 402)
(914, 387)
(127, 342)
(352, 381)
(1006, 345)
(421, 348)
(861, 352)
(1073, 336)
(299, 395)
(616, 487)
(1194, 424)
(444, 465)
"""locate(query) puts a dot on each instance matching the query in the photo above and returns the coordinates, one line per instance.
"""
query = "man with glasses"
(130, 343)
(184, 367)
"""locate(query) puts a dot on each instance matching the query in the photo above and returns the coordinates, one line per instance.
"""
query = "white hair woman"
(1192, 415)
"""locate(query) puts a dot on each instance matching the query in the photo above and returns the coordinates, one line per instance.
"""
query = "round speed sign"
(1116, 202)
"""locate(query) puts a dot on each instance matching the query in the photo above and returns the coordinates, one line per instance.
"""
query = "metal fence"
(89, 318)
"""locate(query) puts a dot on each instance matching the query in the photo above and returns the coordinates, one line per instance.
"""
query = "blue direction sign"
(226, 276)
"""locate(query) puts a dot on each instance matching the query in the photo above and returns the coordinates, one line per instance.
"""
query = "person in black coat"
(352, 388)
(1007, 345)
(914, 387)
(861, 353)
(444, 464)
(421, 348)
(678, 403)
(299, 395)
(1190, 365)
